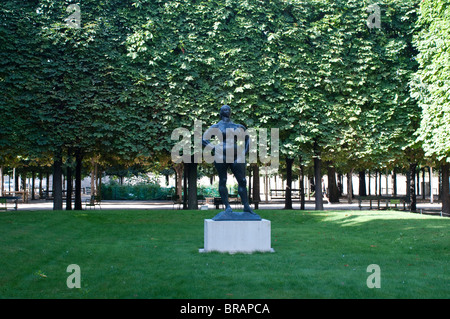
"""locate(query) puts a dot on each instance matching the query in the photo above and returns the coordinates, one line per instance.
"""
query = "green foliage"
(431, 86)
(138, 69)
(209, 191)
(66, 87)
(313, 69)
(17, 60)
(194, 57)
(356, 105)
(140, 191)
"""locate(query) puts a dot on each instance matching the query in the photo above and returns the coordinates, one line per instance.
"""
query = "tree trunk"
(362, 183)
(192, 186)
(418, 186)
(97, 190)
(333, 189)
(179, 179)
(340, 181)
(23, 178)
(33, 177)
(379, 184)
(185, 184)
(408, 185)
(288, 197)
(79, 162)
(256, 197)
(40, 183)
(430, 172)
(445, 189)
(69, 188)
(423, 183)
(47, 185)
(2, 180)
(57, 182)
(387, 181)
(349, 187)
(302, 186)
(394, 182)
(376, 182)
(412, 185)
(318, 184)
(99, 186)
(93, 190)
(311, 186)
(16, 180)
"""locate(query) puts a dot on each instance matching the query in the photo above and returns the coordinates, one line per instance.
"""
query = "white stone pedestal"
(237, 236)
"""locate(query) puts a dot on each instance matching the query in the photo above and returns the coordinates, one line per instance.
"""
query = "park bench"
(47, 195)
(277, 193)
(95, 200)
(232, 199)
(176, 200)
(21, 195)
(389, 200)
(4, 202)
(281, 194)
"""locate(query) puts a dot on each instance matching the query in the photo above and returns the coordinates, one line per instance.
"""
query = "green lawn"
(154, 254)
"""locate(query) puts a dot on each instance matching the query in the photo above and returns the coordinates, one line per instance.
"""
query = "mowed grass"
(154, 254)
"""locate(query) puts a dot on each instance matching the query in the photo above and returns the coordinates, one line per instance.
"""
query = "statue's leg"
(223, 191)
(238, 170)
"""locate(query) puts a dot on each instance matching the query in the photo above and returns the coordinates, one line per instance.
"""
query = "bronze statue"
(223, 161)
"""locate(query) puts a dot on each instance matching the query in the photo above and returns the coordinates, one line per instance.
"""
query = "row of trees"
(114, 89)
(431, 87)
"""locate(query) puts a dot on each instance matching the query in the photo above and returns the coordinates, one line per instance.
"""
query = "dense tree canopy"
(431, 86)
(432, 81)
(118, 81)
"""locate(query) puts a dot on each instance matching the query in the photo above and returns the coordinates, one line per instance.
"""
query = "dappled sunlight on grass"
(356, 218)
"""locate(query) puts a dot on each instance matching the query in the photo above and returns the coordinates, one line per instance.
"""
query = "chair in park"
(218, 202)
(201, 199)
(95, 200)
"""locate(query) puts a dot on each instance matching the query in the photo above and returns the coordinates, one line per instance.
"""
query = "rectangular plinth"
(237, 236)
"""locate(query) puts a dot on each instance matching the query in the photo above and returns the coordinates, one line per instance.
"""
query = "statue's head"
(225, 111)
